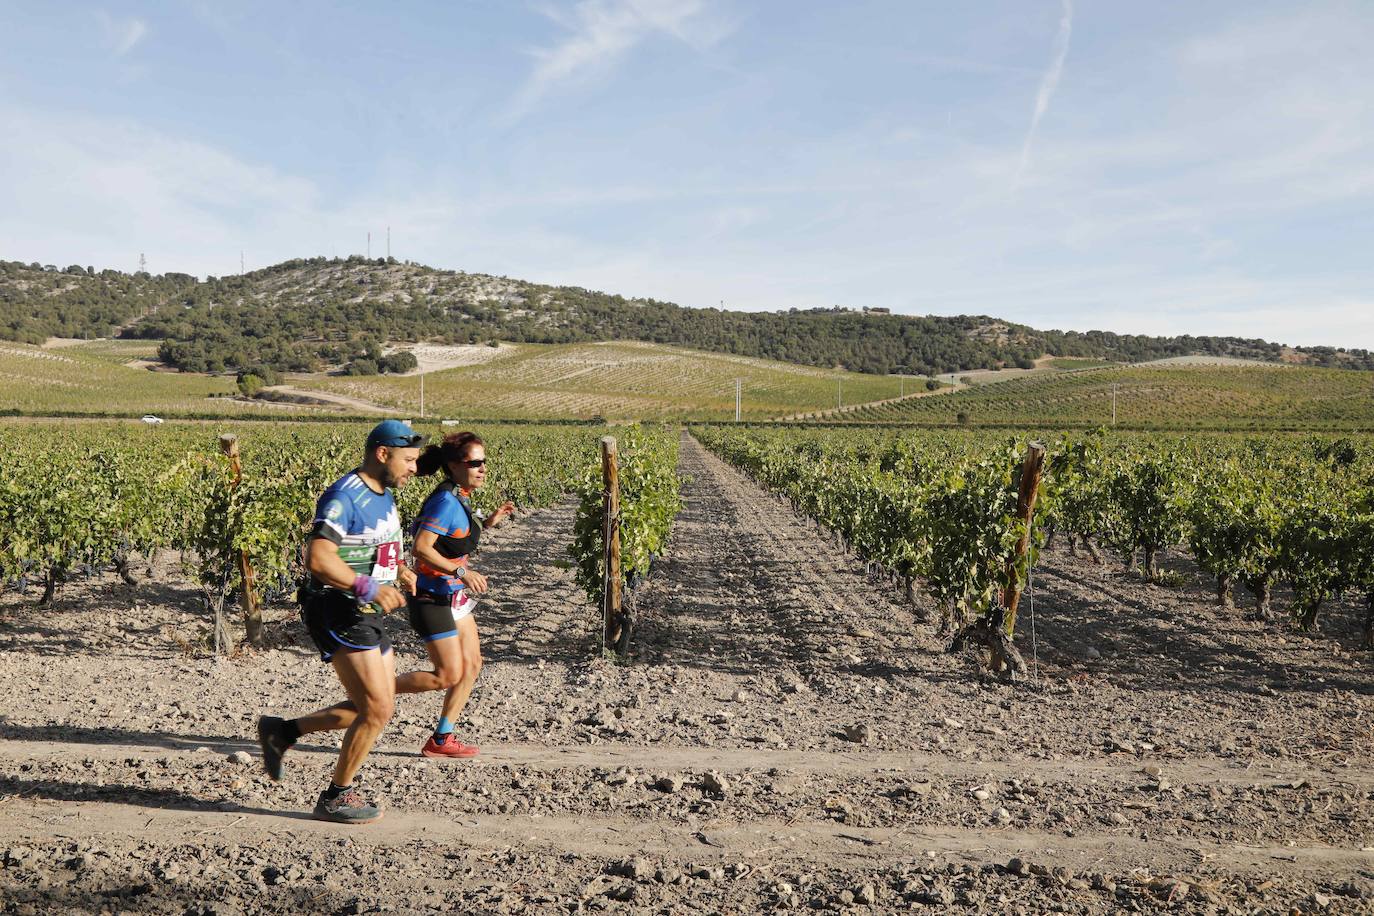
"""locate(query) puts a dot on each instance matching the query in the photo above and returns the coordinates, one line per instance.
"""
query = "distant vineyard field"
(1075, 363)
(1171, 397)
(115, 350)
(619, 380)
(75, 378)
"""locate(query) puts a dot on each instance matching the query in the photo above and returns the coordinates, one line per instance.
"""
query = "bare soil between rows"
(788, 733)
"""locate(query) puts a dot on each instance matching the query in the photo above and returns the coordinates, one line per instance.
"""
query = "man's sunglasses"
(400, 442)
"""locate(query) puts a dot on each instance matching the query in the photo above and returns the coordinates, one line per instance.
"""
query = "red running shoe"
(447, 746)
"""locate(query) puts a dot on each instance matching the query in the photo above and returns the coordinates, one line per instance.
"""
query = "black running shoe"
(272, 739)
(348, 807)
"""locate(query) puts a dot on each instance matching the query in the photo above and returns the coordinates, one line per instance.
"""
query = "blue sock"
(445, 727)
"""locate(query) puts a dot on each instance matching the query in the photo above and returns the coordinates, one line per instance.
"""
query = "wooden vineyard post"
(610, 539)
(995, 629)
(252, 611)
(1031, 470)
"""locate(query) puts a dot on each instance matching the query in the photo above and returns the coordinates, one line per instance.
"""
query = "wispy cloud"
(600, 33)
(121, 35)
(1048, 84)
(1214, 176)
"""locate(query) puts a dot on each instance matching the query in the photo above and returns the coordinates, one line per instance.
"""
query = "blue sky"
(1157, 168)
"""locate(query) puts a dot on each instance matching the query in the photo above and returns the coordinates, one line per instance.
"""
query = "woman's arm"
(426, 550)
(499, 516)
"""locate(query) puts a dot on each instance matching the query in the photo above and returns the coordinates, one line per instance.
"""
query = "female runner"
(444, 537)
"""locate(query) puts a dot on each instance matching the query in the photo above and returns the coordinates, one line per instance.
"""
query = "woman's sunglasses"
(473, 463)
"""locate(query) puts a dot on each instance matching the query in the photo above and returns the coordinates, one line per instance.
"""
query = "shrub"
(249, 384)
(400, 361)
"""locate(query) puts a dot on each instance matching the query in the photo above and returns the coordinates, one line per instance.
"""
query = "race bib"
(386, 565)
(461, 603)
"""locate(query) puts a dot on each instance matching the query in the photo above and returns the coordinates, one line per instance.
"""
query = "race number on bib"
(387, 562)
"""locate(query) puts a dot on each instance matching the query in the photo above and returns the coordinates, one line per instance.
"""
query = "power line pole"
(241, 267)
(369, 246)
(1113, 404)
(738, 383)
(422, 394)
(839, 393)
(388, 243)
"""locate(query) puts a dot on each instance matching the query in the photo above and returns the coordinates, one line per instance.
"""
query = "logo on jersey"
(334, 510)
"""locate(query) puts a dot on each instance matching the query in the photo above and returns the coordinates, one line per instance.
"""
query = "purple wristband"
(365, 588)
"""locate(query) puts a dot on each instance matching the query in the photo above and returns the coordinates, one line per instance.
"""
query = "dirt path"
(621, 838)
(314, 397)
(788, 734)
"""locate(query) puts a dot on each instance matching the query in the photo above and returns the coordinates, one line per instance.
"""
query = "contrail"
(1048, 83)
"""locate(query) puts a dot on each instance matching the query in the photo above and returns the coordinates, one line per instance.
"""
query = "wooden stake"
(1031, 470)
(252, 611)
(610, 539)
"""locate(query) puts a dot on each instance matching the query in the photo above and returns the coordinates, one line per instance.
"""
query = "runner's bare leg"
(370, 680)
(447, 657)
(457, 696)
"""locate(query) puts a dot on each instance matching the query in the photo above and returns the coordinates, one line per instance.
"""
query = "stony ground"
(788, 735)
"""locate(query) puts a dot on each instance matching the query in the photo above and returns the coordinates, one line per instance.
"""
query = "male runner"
(353, 556)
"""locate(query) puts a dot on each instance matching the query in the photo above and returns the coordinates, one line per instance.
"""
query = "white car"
(151, 420)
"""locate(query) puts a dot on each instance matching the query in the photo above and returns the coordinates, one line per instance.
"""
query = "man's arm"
(323, 560)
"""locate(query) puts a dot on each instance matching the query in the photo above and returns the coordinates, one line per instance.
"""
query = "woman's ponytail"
(430, 461)
(455, 447)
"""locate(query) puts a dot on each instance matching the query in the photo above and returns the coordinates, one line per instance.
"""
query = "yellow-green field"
(650, 381)
(617, 380)
(1161, 396)
(93, 377)
(117, 351)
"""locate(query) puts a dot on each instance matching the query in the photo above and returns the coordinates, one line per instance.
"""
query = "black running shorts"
(436, 617)
(337, 625)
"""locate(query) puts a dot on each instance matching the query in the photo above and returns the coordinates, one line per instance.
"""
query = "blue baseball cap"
(395, 434)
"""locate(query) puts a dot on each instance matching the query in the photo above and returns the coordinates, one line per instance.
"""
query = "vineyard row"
(940, 508)
(77, 499)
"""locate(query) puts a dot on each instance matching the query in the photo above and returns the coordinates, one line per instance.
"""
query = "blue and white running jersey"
(365, 525)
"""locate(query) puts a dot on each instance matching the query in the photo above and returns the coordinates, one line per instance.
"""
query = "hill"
(308, 314)
(1160, 396)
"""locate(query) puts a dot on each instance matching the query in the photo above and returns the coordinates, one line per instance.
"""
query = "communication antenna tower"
(241, 267)
(142, 263)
